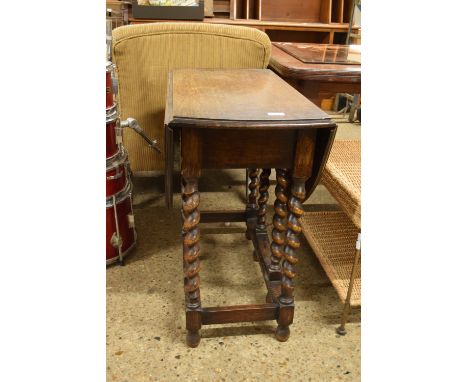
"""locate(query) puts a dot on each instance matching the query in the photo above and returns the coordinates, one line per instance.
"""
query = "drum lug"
(117, 175)
(131, 220)
(116, 240)
(115, 85)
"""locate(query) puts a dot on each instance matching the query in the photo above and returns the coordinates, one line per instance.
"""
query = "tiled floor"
(145, 301)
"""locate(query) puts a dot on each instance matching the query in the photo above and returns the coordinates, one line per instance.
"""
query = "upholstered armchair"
(144, 54)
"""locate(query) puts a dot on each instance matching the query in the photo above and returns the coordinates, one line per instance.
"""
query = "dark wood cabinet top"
(284, 63)
(238, 98)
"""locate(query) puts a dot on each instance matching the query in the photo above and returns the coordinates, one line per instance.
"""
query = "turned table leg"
(279, 219)
(251, 208)
(263, 199)
(260, 228)
(191, 254)
(286, 300)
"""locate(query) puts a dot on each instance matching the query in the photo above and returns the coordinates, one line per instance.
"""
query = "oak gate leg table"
(245, 118)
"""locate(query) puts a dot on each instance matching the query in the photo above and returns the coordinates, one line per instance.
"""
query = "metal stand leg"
(246, 185)
(118, 241)
(344, 317)
(354, 106)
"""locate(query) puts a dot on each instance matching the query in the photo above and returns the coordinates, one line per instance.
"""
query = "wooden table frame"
(315, 81)
(297, 149)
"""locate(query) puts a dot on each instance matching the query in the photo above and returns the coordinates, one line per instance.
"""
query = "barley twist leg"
(191, 254)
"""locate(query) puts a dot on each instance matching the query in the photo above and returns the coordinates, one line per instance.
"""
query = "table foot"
(282, 333)
(341, 331)
(193, 339)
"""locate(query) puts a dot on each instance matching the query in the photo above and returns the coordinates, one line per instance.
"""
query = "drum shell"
(117, 174)
(112, 126)
(109, 93)
(123, 206)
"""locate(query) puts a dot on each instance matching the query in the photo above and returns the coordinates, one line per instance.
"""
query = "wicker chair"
(335, 235)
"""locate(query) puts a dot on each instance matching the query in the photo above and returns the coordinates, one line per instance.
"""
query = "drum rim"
(117, 159)
(112, 113)
(110, 66)
(114, 259)
(113, 156)
(120, 196)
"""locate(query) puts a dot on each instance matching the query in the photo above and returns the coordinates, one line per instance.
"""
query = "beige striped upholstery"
(145, 53)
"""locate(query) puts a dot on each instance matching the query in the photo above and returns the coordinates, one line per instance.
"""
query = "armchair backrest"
(144, 54)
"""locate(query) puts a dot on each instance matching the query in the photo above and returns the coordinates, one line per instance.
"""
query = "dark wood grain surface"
(239, 95)
(294, 137)
(288, 66)
(322, 53)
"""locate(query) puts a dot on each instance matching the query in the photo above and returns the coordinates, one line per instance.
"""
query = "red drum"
(113, 136)
(117, 173)
(109, 93)
(120, 230)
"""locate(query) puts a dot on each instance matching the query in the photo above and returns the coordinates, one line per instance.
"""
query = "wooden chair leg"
(344, 317)
(191, 254)
(286, 300)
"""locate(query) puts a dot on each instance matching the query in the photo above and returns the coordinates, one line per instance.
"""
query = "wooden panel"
(222, 216)
(337, 11)
(262, 25)
(253, 6)
(248, 148)
(191, 154)
(347, 9)
(222, 8)
(297, 36)
(339, 38)
(326, 11)
(233, 9)
(240, 9)
(291, 10)
(239, 313)
(250, 9)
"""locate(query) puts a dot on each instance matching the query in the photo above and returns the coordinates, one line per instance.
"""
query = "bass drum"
(117, 173)
(120, 226)
(113, 134)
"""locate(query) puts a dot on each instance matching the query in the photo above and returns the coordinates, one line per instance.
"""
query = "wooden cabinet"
(318, 21)
(306, 11)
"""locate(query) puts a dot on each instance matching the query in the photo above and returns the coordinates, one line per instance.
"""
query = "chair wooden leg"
(286, 300)
(344, 317)
(191, 254)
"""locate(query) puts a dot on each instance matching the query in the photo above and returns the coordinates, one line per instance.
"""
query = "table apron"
(248, 148)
